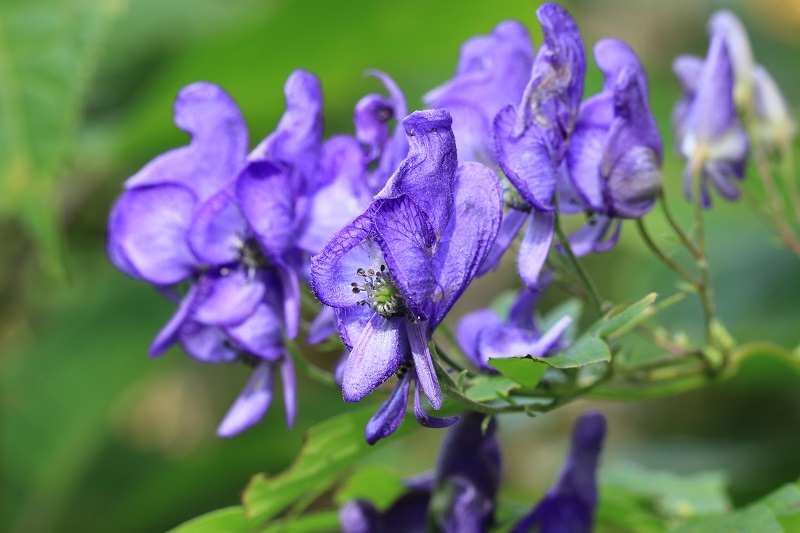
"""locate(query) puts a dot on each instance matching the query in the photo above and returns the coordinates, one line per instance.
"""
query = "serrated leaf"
(623, 318)
(377, 484)
(330, 448)
(227, 520)
(528, 371)
(485, 388)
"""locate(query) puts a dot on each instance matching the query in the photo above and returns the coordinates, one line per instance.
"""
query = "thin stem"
(312, 371)
(594, 294)
(687, 242)
(703, 288)
(661, 255)
(787, 160)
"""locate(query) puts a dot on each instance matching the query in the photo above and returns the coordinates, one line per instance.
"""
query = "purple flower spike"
(492, 72)
(711, 137)
(218, 147)
(570, 504)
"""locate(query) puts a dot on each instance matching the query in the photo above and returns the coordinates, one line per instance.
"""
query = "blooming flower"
(394, 272)
(492, 72)
(615, 152)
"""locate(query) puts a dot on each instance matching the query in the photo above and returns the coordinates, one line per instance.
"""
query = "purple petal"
(423, 364)
(359, 516)
(407, 241)
(289, 383)
(227, 300)
(468, 238)
(147, 227)
(396, 149)
(713, 110)
(266, 200)
(371, 118)
(298, 138)
(635, 123)
(509, 341)
(334, 268)
(252, 403)
(428, 173)
(535, 246)
(208, 344)
(351, 321)
(526, 160)
(218, 229)
(322, 327)
(169, 333)
(634, 183)
(427, 420)
(290, 290)
(585, 240)
(376, 355)
(584, 160)
(509, 227)
(218, 147)
(468, 332)
(612, 56)
(524, 306)
(260, 334)
(390, 414)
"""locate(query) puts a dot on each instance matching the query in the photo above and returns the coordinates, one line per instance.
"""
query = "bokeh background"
(96, 437)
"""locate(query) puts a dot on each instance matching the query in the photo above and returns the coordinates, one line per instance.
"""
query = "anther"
(361, 272)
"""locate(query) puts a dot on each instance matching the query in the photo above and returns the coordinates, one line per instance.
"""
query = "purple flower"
(394, 272)
(532, 139)
(569, 505)
(492, 72)
(615, 153)
(483, 335)
(709, 134)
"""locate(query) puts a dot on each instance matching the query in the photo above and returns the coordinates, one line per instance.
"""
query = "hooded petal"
(390, 414)
(468, 238)
(218, 146)
(535, 246)
(427, 420)
(371, 118)
(396, 148)
(728, 25)
(218, 229)
(252, 403)
(147, 227)
(260, 334)
(428, 173)
(376, 355)
(713, 110)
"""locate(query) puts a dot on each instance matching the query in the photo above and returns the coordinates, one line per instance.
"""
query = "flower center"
(250, 256)
(382, 296)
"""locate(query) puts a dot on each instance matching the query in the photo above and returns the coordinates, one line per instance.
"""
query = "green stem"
(787, 155)
(314, 372)
(591, 288)
(661, 255)
(704, 287)
(687, 242)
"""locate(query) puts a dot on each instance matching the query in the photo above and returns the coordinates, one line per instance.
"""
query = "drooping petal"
(169, 333)
(390, 414)
(322, 327)
(406, 239)
(252, 403)
(218, 146)
(584, 241)
(260, 334)
(376, 355)
(423, 364)
(427, 420)
(468, 238)
(535, 246)
(209, 344)
(227, 300)
(148, 227)
(218, 229)
(265, 197)
(289, 383)
(427, 175)
(510, 341)
(509, 228)
(468, 332)
(334, 268)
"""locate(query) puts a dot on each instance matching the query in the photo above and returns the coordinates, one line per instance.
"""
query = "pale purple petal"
(218, 146)
(351, 321)
(396, 149)
(371, 118)
(509, 341)
(427, 420)
(584, 241)
(322, 327)
(713, 109)
(612, 57)
(148, 227)
(509, 228)
(423, 364)
(468, 332)
(289, 384)
(535, 246)
(227, 299)
(218, 229)
(390, 414)
(584, 159)
(290, 290)
(169, 333)
(260, 334)
(208, 344)
(376, 355)
(252, 403)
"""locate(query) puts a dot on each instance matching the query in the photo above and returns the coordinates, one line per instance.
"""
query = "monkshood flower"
(615, 152)
(708, 131)
(532, 139)
(396, 270)
(569, 505)
(492, 72)
(459, 497)
(725, 23)
(482, 334)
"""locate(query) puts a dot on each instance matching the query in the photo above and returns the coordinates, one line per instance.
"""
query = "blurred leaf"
(317, 522)
(622, 511)
(623, 318)
(486, 388)
(48, 51)
(330, 448)
(376, 484)
(228, 520)
(572, 308)
(528, 371)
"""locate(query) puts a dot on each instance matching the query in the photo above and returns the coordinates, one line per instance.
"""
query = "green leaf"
(377, 484)
(528, 370)
(623, 318)
(48, 51)
(330, 448)
(486, 388)
(572, 308)
(317, 522)
(227, 520)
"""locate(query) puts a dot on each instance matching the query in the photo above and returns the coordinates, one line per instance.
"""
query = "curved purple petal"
(289, 383)
(260, 334)
(584, 160)
(468, 238)
(468, 332)
(218, 146)
(511, 341)
(427, 420)
(218, 229)
(376, 355)
(535, 246)
(228, 299)
(290, 292)
(147, 227)
(585, 240)
(713, 110)
(208, 344)
(390, 414)
(351, 321)
(371, 118)
(252, 403)
(322, 327)
(428, 173)
(169, 333)
(612, 57)
(423, 364)
(509, 228)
